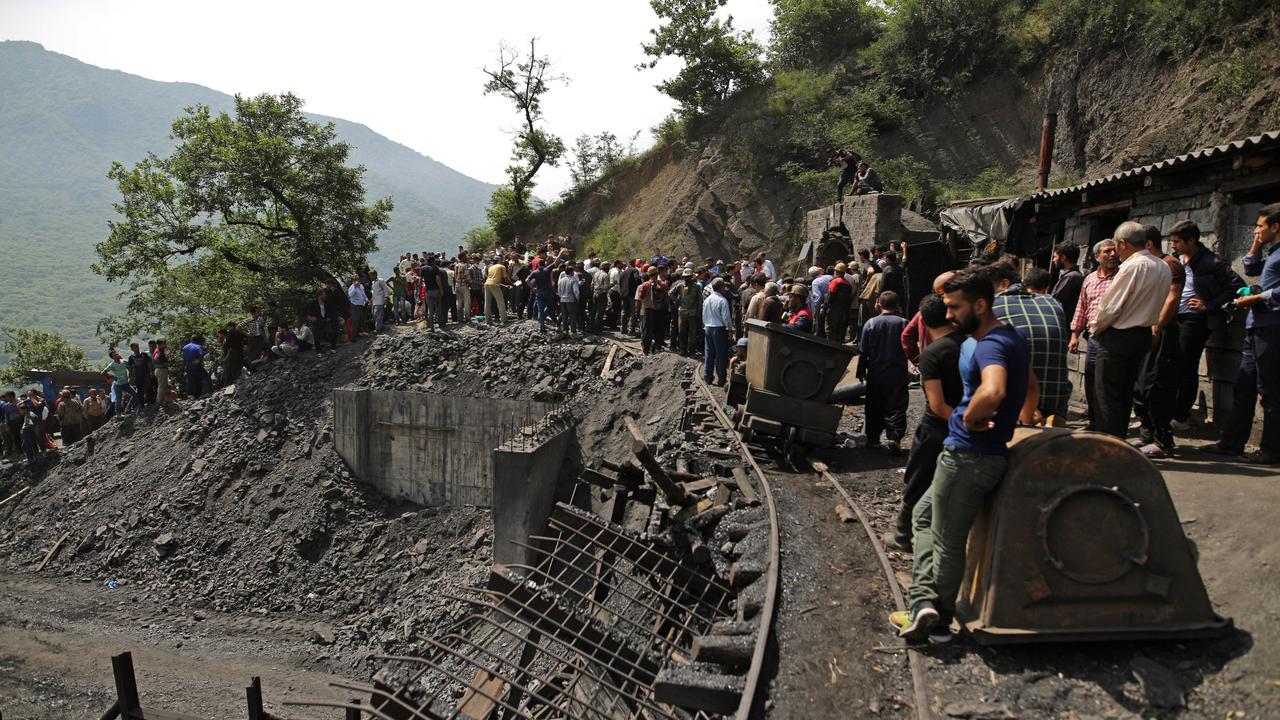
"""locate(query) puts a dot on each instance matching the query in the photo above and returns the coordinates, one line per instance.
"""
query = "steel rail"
(919, 687)
(751, 685)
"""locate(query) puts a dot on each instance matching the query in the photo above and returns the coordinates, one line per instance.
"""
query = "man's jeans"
(435, 311)
(942, 521)
(568, 317)
(378, 312)
(1259, 377)
(716, 352)
(541, 308)
(1120, 354)
(464, 304)
(885, 411)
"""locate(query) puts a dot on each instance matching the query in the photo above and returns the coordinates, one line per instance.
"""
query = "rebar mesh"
(579, 635)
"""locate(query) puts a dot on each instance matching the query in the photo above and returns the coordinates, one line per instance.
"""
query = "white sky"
(411, 70)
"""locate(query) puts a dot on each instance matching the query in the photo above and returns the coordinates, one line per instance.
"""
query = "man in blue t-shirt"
(998, 388)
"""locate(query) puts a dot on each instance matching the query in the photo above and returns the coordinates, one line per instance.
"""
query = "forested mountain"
(63, 122)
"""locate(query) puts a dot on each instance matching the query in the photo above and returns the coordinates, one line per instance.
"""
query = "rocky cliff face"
(1114, 112)
(681, 199)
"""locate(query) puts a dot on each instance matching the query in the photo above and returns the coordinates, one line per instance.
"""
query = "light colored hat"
(799, 290)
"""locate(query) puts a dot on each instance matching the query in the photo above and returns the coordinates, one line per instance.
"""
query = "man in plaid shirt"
(1040, 321)
(1091, 293)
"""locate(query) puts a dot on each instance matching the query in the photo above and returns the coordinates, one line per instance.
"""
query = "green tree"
(817, 33)
(935, 47)
(28, 349)
(248, 207)
(479, 239)
(595, 155)
(523, 80)
(717, 61)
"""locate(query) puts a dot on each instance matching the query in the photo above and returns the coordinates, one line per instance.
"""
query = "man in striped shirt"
(1091, 292)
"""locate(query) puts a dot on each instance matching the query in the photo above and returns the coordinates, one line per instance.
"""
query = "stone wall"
(424, 448)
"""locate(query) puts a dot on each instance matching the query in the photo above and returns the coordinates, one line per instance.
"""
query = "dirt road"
(57, 637)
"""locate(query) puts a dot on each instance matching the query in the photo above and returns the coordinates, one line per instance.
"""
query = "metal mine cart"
(790, 377)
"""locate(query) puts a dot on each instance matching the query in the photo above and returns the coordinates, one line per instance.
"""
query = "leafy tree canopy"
(248, 207)
(523, 80)
(37, 349)
(816, 33)
(717, 61)
(595, 155)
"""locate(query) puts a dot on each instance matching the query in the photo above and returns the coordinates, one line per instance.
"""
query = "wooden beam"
(14, 496)
(675, 494)
(481, 697)
(744, 485)
(53, 551)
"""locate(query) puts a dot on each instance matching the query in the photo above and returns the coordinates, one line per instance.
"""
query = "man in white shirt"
(358, 298)
(378, 291)
(567, 289)
(1122, 328)
(717, 318)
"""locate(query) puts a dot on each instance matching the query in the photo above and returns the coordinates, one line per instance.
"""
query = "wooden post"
(675, 494)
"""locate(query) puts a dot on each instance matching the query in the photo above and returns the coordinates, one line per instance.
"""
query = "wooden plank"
(640, 448)
(480, 698)
(608, 361)
(14, 496)
(744, 485)
(53, 551)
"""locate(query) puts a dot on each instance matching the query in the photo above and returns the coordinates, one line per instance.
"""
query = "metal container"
(1081, 541)
(792, 363)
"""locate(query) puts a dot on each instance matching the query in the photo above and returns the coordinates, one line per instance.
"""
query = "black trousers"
(886, 411)
(1193, 333)
(654, 334)
(921, 463)
(1120, 355)
(1156, 394)
(837, 324)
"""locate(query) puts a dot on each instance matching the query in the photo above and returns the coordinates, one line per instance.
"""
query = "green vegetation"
(62, 124)
(248, 207)
(523, 81)
(29, 348)
(479, 239)
(606, 241)
(718, 62)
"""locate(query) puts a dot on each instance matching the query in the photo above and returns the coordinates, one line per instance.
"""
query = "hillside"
(63, 122)
(740, 181)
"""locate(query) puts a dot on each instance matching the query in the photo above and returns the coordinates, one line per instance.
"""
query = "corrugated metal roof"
(1235, 146)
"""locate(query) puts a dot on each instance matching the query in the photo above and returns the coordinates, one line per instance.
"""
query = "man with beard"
(998, 387)
(1066, 291)
(1091, 292)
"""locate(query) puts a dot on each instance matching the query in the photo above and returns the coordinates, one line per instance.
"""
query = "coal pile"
(238, 503)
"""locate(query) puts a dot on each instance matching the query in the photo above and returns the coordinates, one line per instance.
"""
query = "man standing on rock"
(359, 299)
(495, 305)
(120, 387)
(378, 292)
(998, 386)
(717, 318)
(1127, 313)
(194, 373)
(139, 372)
(254, 329)
(568, 289)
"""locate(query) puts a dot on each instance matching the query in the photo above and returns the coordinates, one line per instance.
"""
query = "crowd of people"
(1141, 317)
(996, 357)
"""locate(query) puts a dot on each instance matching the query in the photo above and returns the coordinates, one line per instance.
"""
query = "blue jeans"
(541, 308)
(1259, 378)
(715, 348)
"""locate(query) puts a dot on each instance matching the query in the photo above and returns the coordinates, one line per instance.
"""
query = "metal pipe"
(1046, 149)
